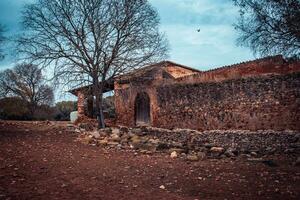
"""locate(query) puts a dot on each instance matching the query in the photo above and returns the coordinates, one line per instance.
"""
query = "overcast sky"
(214, 46)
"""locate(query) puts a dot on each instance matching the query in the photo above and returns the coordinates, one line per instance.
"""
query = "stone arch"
(142, 109)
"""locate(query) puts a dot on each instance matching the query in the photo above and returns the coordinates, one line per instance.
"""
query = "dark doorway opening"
(142, 109)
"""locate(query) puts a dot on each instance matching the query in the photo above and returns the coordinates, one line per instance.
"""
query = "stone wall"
(259, 67)
(210, 144)
(271, 102)
(239, 141)
(259, 94)
(80, 104)
(125, 103)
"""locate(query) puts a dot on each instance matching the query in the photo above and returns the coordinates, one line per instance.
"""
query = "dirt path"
(42, 161)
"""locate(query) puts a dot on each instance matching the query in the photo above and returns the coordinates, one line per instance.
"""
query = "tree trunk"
(101, 123)
(98, 92)
(31, 108)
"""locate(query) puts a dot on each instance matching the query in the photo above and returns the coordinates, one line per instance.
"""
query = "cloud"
(195, 11)
(10, 16)
(180, 19)
(214, 45)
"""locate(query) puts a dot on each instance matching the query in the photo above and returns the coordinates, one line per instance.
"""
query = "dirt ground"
(40, 160)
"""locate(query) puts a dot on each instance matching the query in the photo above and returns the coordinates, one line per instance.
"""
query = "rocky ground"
(51, 160)
(194, 145)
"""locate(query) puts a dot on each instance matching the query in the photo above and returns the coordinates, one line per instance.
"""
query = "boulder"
(177, 150)
(162, 187)
(135, 142)
(208, 145)
(86, 126)
(86, 140)
(201, 155)
(174, 154)
(103, 142)
(124, 129)
(142, 144)
(125, 136)
(253, 153)
(95, 134)
(136, 131)
(77, 130)
(162, 146)
(192, 158)
(107, 130)
(71, 126)
(115, 131)
(115, 137)
(124, 140)
(231, 152)
(217, 149)
(135, 138)
(110, 143)
(82, 130)
(154, 141)
(130, 135)
(148, 147)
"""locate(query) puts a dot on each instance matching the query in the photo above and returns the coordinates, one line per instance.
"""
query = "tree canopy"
(270, 26)
(91, 41)
(26, 82)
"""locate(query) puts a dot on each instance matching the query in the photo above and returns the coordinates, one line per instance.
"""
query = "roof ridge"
(184, 66)
(245, 62)
(236, 65)
(163, 63)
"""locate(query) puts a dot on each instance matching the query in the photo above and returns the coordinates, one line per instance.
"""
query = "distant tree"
(44, 112)
(26, 82)
(2, 40)
(270, 26)
(64, 108)
(13, 108)
(92, 41)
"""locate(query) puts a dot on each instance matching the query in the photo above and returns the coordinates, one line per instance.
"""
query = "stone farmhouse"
(254, 95)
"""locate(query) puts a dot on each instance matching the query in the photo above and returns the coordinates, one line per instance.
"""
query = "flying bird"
(198, 30)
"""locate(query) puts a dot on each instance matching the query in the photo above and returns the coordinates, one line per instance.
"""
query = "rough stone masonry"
(194, 145)
(253, 95)
(261, 94)
(257, 103)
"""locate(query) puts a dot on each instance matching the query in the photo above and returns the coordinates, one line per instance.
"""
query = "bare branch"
(26, 82)
(91, 41)
(270, 26)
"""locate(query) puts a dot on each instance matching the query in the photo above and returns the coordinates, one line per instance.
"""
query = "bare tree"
(26, 82)
(92, 41)
(2, 40)
(270, 26)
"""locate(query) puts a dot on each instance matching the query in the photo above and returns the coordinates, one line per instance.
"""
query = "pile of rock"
(193, 145)
(135, 140)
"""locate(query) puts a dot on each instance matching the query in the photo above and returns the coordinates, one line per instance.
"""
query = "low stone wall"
(270, 102)
(197, 145)
(238, 141)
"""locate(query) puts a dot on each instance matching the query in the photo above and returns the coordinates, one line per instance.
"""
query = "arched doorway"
(142, 109)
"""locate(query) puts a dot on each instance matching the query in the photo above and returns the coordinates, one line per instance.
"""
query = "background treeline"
(26, 95)
(14, 108)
